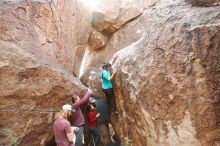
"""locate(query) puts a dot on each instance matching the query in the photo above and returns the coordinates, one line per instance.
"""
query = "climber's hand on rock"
(113, 73)
(91, 100)
(90, 90)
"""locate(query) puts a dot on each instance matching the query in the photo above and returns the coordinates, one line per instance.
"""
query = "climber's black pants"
(110, 99)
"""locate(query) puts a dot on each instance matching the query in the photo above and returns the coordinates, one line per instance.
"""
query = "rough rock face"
(104, 134)
(112, 14)
(107, 18)
(91, 79)
(38, 42)
(83, 21)
(31, 91)
(54, 31)
(81, 16)
(124, 37)
(38, 28)
(97, 40)
(167, 83)
(203, 3)
(150, 3)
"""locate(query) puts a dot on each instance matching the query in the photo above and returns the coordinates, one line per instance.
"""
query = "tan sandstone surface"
(171, 77)
(166, 54)
(36, 67)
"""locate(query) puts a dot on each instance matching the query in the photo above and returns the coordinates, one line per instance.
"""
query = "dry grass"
(15, 139)
(126, 142)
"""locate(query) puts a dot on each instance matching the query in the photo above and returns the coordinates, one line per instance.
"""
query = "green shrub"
(126, 142)
(15, 139)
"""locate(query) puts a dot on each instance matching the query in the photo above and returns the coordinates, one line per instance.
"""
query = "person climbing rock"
(77, 118)
(106, 76)
(94, 134)
(64, 133)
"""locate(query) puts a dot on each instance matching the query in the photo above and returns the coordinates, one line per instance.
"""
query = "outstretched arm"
(107, 75)
(112, 76)
(84, 100)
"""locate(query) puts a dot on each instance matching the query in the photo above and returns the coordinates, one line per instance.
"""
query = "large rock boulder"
(38, 42)
(30, 95)
(83, 22)
(53, 31)
(167, 83)
(112, 14)
(91, 79)
(37, 26)
(78, 59)
(97, 40)
(124, 37)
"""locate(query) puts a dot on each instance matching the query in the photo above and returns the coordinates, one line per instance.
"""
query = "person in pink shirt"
(77, 119)
(64, 133)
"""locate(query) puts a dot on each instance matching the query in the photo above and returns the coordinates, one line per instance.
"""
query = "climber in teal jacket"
(107, 87)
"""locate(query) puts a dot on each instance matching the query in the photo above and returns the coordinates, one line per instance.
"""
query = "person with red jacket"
(92, 116)
(77, 119)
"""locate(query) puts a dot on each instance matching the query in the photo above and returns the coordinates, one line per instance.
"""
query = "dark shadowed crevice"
(51, 142)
